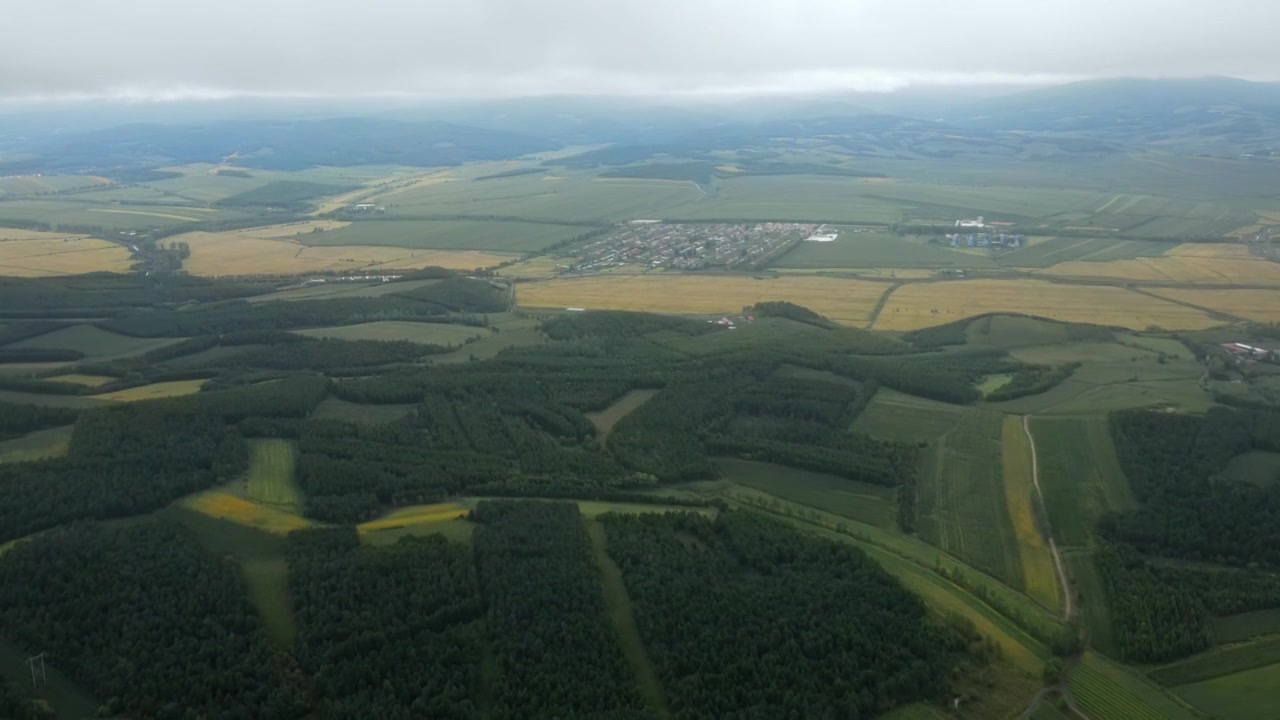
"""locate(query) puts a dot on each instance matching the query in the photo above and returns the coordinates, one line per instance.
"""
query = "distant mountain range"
(1215, 116)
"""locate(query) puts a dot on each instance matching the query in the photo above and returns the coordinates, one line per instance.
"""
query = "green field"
(961, 504)
(270, 478)
(1256, 467)
(872, 504)
(426, 333)
(1248, 695)
(38, 445)
(1106, 691)
(1013, 331)
(1235, 628)
(623, 406)
(897, 416)
(1067, 249)
(1094, 606)
(877, 250)
(1079, 475)
(68, 213)
(1219, 662)
(333, 408)
(515, 237)
(575, 197)
(24, 186)
(94, 342)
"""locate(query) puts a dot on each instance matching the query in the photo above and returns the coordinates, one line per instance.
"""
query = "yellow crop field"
(153, 391)
(147, 213)
(240, 253)
(849, 302)
(1238, 251)
(1258, 305)
(33, 254)
(917, 305)
(1181, 268)
(225, 506)
(414, 515)
(1038, 576)
(86, 380)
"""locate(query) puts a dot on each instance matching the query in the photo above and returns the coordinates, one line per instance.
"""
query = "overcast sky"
(210, 48)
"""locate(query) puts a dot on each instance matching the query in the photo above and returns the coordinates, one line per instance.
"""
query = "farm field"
(892, 415)
(794, 197)
(922, 304)
(332, 408)
(64, 696)
(1093, 251)
(83, 212)
(37, 445)
(1256, 466)
(604, 420)
(93, 341)
(576, 198)
(848, 302)
(877, 250)
(46, 184)
(1038, 575)
(961, 504)
(1013, 331)
(1179, 269)
(1248, 695)
(1257, 305)
(415, 515)
(472, 235)
(86, 380)
(1105, 691)
(176, 388)
(1093, 603)
(1219, 662)
(870, 504)
(1235, 628)
(33, 254)
(1079, 475)
(425, 333)
(224, 505)
(232, 253)
(270, 478)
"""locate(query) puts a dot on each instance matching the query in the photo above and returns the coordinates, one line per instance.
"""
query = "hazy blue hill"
(1201, 114)
(287, 145)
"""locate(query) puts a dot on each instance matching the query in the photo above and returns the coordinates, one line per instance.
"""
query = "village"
(689, 246)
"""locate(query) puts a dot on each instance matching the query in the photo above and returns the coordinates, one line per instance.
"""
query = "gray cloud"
(210, 48)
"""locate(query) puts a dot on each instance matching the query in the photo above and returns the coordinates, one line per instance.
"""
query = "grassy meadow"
(425, 333)
(39, 445)
(270, 479)
(93, 341)
(623, 406)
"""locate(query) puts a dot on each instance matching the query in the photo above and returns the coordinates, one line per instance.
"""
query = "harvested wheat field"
(24, 253)
(1258, 305)
(248, 253)
(849, 302)
(176, 388)
(1177, 268)
(224, 506)
(414, 515)
(918, 305)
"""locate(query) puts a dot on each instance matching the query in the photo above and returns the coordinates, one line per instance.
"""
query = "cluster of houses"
(688, 246)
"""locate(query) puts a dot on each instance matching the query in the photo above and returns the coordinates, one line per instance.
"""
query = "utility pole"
(32, 662)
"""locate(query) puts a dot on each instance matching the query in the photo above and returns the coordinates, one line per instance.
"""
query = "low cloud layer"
(477, 48)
